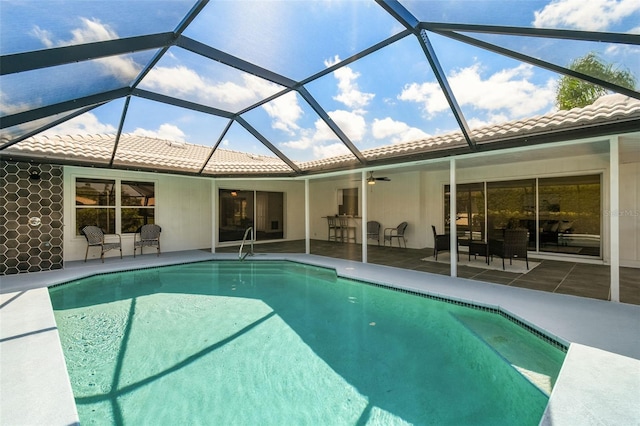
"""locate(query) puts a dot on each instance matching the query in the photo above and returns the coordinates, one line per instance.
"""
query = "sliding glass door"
(238, 210)
(567, 219)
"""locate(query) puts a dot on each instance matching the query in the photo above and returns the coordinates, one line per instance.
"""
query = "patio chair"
(147, 236)
(397, 233)
(513, 246)
(441, 242)
(373, 230)
(347, 230)
(96, 238)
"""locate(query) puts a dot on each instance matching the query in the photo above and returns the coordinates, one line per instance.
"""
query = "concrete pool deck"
(599, 382)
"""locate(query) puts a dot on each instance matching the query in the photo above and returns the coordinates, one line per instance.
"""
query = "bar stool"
(346, 228)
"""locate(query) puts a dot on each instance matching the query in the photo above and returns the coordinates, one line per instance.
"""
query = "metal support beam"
(232, 61)
(446, 89)
(332, 125)
(62, 107)
(120, 126)
(268, 144)
(27, 61)
(220, 139)
(619, 38)
(539, 63)
(153, 96)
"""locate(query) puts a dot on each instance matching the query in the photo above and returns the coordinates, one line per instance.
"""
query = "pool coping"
(33, 365)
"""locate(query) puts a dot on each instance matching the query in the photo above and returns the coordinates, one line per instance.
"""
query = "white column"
(365, 215)
(614, 217)
(214, 215)
(307, 227)
(453, 209)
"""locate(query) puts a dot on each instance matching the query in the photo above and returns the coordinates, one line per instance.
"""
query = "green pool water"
(280, 343)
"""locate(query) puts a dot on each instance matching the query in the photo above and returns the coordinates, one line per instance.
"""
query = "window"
(96, 204)
(348, 201)
(100, 203)
(138, 201)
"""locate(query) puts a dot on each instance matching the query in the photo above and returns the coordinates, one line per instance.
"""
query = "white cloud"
(592, 15)
(348, 91)
(398, 131)
(165, 131)
(86, 123)
(285, 112)
(181, 81)
(508, 91)
(331, 150)
(352, 124)
(92, 30)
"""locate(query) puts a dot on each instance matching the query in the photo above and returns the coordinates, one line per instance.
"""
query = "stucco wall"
(183, 210)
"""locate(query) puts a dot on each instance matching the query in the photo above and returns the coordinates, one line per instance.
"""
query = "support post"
(307, 227)
(614, 218)
(453, 209)
(365, 215)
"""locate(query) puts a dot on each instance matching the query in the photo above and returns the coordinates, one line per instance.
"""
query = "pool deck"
(599, 382)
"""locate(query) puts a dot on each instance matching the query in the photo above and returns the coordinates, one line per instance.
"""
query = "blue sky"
(388, 97)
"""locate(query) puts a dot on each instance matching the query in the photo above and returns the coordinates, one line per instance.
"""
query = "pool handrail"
(244, 239)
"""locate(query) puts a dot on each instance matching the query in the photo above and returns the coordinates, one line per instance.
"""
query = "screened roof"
(295, 84)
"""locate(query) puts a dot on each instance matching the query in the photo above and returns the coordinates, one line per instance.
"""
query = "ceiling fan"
(372, 180)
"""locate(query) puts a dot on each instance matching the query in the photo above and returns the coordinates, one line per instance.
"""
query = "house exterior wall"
(629, 214)
(183, 210)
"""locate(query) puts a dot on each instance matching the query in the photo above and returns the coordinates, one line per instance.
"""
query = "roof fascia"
(268, 144)
(27, 61)
(232, 61)
(540, 63)
(620, 38)
(332, 125)
(153, 96)
(46, 111)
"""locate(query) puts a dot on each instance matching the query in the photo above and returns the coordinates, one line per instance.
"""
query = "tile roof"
(141, 152)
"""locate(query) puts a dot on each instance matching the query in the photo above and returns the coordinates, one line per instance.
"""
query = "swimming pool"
(285, 343)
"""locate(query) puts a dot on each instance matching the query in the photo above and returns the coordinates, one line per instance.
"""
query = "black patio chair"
(514, 246)
(96, 238)
(147, 236)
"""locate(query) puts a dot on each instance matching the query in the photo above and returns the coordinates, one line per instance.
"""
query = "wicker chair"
(96, 238)
(397, 233)
(373, 231)
(147, 236)
(514, 246)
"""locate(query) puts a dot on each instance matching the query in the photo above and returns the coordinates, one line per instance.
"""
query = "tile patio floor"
(555, 276)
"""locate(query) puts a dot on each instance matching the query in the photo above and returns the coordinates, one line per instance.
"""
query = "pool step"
(540, 365)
